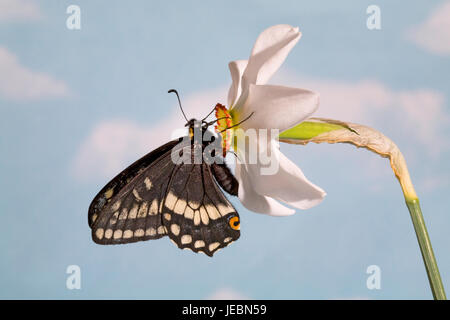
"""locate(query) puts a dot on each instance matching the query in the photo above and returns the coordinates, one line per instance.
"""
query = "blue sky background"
(117, 69)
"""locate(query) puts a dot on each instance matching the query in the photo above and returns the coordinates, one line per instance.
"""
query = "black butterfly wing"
(196, 213)
(133, 212)
(110, 191)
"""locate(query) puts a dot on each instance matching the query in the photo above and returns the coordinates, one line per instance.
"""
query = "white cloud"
(419, 112)
(21, 84)
(113, 144)
(19, 10)
(434, 33)
(226, 294)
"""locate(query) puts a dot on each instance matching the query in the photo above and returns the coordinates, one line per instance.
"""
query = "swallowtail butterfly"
(156, 197)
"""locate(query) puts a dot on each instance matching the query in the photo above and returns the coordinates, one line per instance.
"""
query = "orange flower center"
(224, 121)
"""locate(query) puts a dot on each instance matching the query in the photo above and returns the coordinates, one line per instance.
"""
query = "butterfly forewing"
(133, 214)
(111, 190)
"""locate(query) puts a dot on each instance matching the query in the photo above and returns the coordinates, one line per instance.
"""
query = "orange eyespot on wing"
(234, 222)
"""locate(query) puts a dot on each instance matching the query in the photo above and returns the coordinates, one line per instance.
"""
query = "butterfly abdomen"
(225, 178)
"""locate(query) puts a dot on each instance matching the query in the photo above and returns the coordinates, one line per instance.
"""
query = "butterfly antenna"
(234, 125)
(179, 102)
(212, 122)
(209, 114)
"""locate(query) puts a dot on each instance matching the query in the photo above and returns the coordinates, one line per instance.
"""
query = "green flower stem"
(426, 249)
(332, 131)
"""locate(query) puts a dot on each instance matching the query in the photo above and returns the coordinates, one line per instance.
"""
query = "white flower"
(269, 107)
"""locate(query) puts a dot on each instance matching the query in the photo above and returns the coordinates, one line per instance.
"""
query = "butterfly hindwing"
(196, 213)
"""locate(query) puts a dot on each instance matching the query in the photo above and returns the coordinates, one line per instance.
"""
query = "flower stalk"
(331, 131)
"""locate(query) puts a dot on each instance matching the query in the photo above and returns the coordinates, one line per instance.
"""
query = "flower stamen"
(224, 122)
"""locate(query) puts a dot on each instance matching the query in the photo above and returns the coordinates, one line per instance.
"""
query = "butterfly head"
(195, 124)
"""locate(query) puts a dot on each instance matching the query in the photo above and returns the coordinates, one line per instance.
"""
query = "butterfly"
(162, 194)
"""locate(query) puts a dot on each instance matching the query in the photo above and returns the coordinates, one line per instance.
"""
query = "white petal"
(255, 202)
(288, 184)
(269, 52)
(276, 107)
(236, 69)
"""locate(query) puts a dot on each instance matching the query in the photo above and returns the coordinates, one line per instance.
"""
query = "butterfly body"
(168, 192)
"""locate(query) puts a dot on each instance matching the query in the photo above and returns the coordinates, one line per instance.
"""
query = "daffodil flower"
(252, 104)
